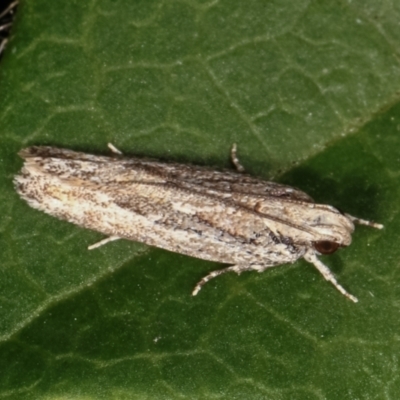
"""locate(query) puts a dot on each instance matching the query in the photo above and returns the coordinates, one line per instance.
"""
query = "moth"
(221, 216)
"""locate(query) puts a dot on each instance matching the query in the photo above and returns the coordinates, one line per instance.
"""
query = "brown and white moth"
(227, 217)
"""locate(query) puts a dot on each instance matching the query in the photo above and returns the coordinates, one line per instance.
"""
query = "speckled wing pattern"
(222, 216)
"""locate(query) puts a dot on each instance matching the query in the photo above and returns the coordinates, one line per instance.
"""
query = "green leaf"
(309, 90)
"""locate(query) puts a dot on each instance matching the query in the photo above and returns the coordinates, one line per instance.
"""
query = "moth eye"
(326, 247)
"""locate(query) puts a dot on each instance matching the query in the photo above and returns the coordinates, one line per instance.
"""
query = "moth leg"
(364, 222)
(6, 26)
(103, 242)
(327, 274)
(3, 44)
(114, 149)
(236, 268)
(235, 159)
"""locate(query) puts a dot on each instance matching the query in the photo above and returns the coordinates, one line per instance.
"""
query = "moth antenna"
(364, 222)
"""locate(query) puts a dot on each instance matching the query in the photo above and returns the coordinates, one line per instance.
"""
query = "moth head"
(331, 230)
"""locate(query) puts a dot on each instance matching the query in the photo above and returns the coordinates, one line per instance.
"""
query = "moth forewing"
(308, 221)
(226, 217)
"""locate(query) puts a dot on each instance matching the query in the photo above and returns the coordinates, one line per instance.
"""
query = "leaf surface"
(309, 90)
